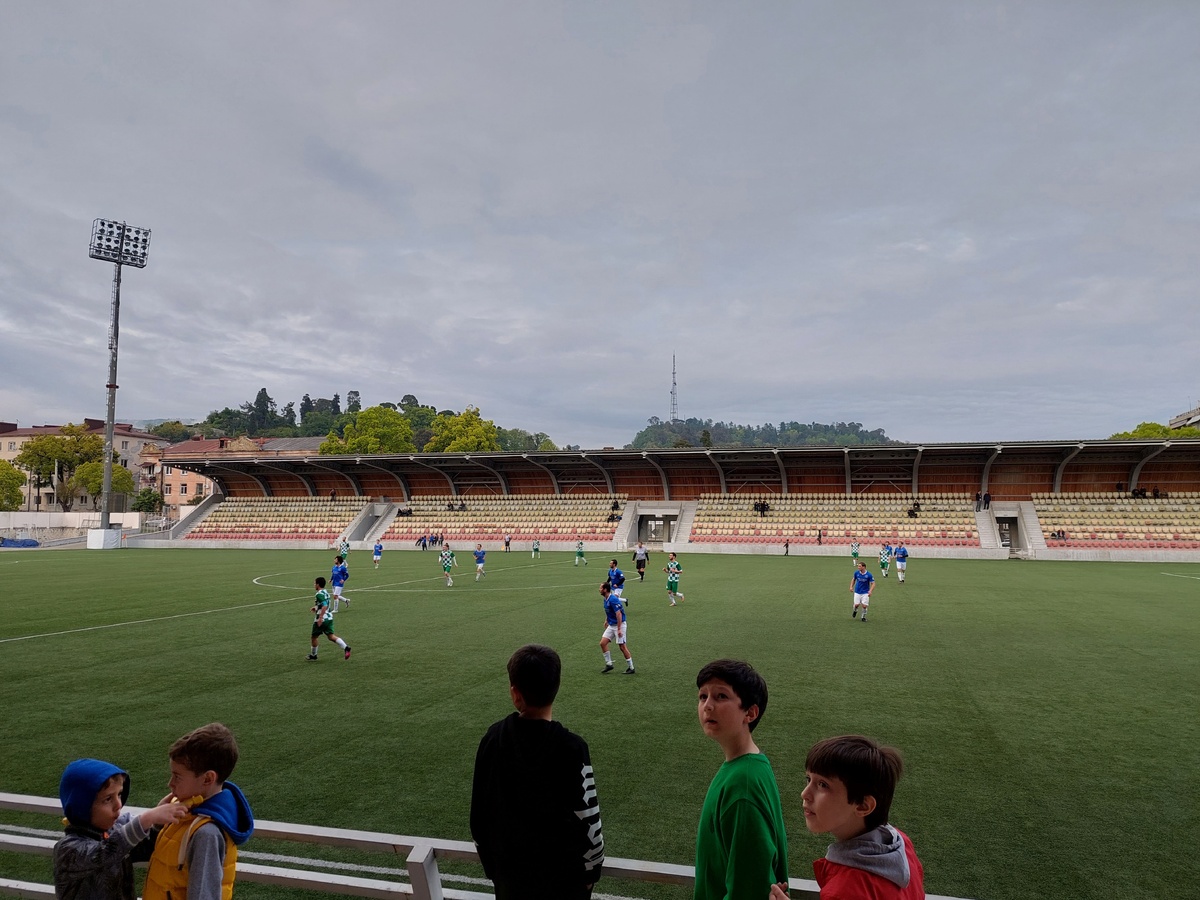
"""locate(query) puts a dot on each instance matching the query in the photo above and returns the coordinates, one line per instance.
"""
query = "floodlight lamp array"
(119, 243)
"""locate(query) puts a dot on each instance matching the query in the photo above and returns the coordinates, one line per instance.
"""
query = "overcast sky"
(953, 221)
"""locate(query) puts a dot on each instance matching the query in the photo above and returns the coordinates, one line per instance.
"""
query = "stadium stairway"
(687, 518)
(1031, 527)
(985, 527)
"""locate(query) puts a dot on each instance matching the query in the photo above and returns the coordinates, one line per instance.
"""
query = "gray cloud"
(955, 223)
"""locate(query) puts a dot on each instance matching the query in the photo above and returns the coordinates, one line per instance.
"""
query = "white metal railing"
(425, 881)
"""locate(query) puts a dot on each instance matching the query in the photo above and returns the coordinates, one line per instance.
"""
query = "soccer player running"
(377, 552)
(885, 559)
(579, 553)
(854, 553)
(446, 558)
(323, 622)
(861, 586)
(338, 576)
(673, 570)
(479, 553)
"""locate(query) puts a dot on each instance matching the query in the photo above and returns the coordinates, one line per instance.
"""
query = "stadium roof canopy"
(1009, 470)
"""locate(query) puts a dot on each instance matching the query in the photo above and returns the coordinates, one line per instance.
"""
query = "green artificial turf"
(1047, 712)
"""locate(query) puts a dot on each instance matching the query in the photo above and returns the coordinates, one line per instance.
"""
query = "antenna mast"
(674, 393)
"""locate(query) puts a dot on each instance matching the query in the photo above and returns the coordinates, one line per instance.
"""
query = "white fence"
(421, 855)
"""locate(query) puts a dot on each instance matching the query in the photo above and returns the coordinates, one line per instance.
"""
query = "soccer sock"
(630, 661)
(608, 657)
(340, 643)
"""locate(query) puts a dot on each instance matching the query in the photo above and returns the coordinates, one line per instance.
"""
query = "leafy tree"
(147, 500)
(229, 421)
(408, 401)
(337, 405)
(518, 440)
(420, 419)
(376, 429)
(306, 406)
(289, 414)
(11, 482)
(172, 432)
(515, 440)
(53, 458)
(89, 479)
(1153, 431)
(316, 423)
(353, 402)
(463, 433)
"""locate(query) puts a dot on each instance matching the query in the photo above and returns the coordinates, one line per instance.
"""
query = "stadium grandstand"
(1047, 500)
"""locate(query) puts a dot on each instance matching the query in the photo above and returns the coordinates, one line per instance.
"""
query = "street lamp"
(122, 245)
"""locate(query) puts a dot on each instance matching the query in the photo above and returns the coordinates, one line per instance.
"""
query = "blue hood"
(230, 809)
(81, 781)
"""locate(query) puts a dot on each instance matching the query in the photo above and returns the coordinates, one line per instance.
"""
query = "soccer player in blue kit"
(616, 580)
(861, 585)
(479, 554)
(338, 578)
(901, 555)
(615, 625)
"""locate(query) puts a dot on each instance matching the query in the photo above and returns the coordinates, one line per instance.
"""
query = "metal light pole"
(119, 244)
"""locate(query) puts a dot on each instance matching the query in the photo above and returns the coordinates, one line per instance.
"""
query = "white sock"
(341, 643)
(630, 661)
(608, 657)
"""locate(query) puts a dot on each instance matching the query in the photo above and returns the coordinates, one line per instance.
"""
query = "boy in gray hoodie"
(850, 784)
(94, 859)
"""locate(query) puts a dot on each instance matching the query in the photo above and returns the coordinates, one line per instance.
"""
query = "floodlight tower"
(122, 245)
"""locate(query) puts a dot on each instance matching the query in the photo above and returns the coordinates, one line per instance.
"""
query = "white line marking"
(203, 612)
(1173, 575)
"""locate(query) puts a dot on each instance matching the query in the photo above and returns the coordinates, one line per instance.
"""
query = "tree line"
(405, 427)
(659, 434)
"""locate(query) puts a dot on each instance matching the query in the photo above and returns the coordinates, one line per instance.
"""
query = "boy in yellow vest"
(196, 857)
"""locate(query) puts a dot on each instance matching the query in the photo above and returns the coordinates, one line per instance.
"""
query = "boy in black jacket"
(535, 816)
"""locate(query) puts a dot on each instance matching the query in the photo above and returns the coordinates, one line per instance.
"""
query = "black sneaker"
(311, 657)
(629, 671)
(347, 656)
(864, 620)
(854, 615)
(606, 669)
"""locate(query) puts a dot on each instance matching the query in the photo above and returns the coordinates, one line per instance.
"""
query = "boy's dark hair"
(606, 586)
(338, 559)
(536, 671)
(210, 746)
(866, 768)
(320, 582)
(750, 687)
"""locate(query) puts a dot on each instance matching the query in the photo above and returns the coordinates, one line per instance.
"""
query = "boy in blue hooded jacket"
(94, 858)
